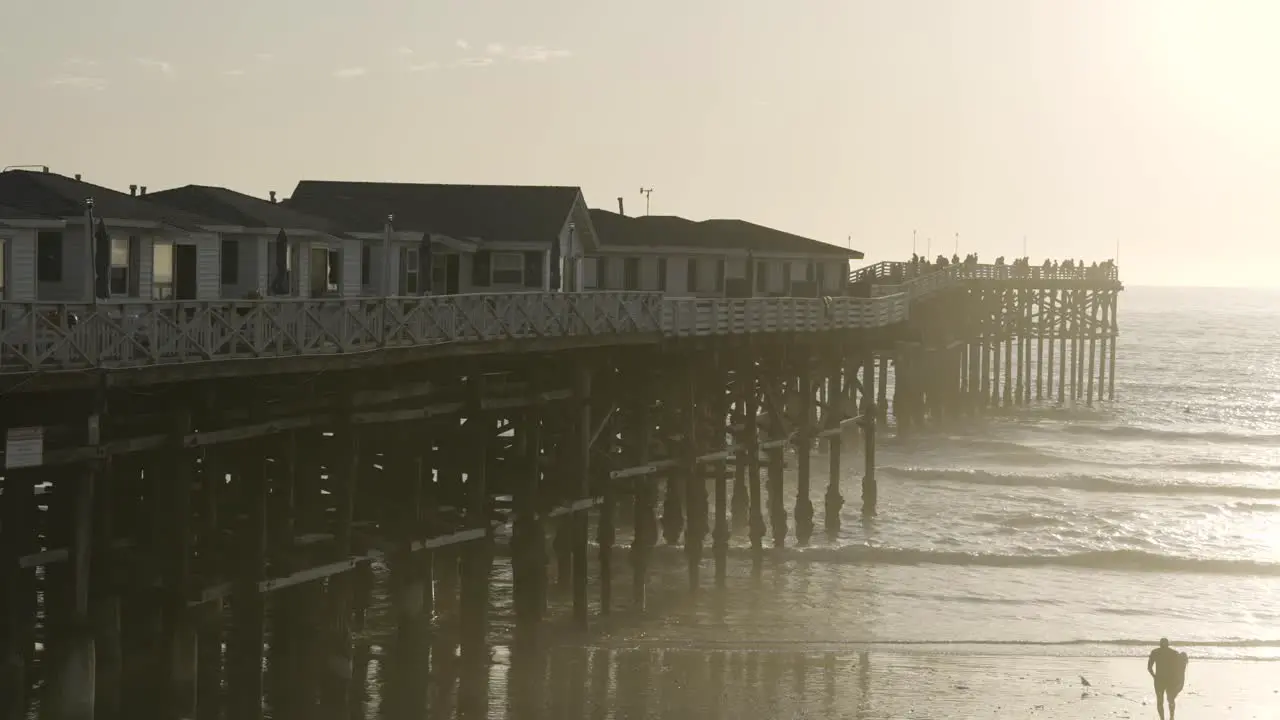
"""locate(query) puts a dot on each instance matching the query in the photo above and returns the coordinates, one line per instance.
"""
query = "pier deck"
(189, 474)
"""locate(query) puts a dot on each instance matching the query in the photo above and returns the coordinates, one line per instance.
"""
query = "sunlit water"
(1078, 533)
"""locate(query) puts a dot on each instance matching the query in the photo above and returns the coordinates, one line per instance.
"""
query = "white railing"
(35, 336)
(682, 317)
(38, 337)
(902, 273)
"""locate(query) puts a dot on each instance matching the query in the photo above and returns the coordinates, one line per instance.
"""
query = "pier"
(196, 490)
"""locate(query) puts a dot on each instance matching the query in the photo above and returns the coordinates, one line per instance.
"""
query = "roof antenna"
(646, 192)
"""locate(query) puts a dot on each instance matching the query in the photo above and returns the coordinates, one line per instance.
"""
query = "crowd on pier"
(1017, 268)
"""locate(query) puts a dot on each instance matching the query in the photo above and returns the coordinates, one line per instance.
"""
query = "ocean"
(1012, 559)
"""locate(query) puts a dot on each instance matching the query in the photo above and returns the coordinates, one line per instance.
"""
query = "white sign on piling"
(24, 447)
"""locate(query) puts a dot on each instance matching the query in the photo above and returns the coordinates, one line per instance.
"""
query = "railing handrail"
(124, 332)
(906, 270)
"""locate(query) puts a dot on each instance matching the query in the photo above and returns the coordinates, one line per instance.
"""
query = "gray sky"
(1077, 123)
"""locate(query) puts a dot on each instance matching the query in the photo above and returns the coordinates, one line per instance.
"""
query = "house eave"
(32, 223)
(724, 252)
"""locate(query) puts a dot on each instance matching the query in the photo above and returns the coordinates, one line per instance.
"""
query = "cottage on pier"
(451, 239)
(263, 242)
(711, 258)
(156, 253)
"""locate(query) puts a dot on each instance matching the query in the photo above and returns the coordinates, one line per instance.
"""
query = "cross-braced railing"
(50, 337)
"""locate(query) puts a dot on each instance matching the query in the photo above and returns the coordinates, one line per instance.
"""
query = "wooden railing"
(682, 317)
(904, 273)
(47, 337)
(36, 337)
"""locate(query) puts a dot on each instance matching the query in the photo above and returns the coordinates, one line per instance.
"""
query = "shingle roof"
(53, 195)
(671, 231)
(229, 207)
(495, 213)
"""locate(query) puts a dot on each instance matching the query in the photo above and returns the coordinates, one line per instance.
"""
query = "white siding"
(302, 267)
(799, 270)
(735, 268)
(706, 268)
(831, 276)
(773, 279)
(648, 273)
(261, 257)
(677, 276)
(208, 267)
(350, 268)
(614, 273)
(21, 266)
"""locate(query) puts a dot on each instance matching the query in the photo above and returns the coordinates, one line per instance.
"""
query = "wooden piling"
(752, 435)
(606, 532)
(17, 590)
(73, 676)
(718, 429)
(477, 555)
(178, 633)
(582, 489)
(832, 415)
(804, 439)
(529, 541)
(695, 484)
(869, 489)
(646, 523)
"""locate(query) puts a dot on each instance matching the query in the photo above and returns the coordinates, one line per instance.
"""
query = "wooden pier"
(194, 491)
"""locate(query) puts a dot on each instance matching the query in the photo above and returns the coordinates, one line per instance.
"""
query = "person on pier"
(1168, 668)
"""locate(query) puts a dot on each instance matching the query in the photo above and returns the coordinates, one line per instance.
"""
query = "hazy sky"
(1077, 123)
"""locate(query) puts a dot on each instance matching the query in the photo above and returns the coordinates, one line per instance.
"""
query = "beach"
(1011, 555)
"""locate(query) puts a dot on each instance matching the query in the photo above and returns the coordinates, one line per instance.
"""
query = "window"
(230, 262)
(119, 273)
(631, 273)
(324, 272)
(533, 268)
(409, 270)
(662, 274)
(162, 270)
(49, 257)
(366, 264)
(335, 271)
(602, 273)
(439, 272)
(508, 269)
(762, 276)
(691, 275)
(4, 248)
(590, 273)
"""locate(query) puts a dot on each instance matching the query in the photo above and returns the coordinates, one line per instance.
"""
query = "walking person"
(1168, 668)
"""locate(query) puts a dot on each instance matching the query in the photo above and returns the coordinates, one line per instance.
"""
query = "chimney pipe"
(77, 177)
(133, 189)
(142, 190)
(273, 196)
(620, 210)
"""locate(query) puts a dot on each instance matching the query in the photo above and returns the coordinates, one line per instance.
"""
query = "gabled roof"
(493, 213)
(52, 195)
(228, 207)
(671, 231)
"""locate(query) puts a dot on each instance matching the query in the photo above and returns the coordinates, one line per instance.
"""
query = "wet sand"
(869, 685)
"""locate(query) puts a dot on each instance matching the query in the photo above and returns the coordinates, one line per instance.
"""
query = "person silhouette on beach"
(1168, 668)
